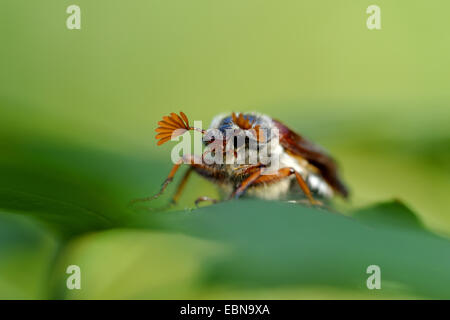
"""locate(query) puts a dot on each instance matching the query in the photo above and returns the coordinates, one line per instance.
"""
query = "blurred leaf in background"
(27, 253)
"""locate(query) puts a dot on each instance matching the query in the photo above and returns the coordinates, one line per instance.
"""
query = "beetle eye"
(239, 141)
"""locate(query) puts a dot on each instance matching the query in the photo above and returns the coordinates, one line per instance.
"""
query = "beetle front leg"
(245, 184)
(188, 159)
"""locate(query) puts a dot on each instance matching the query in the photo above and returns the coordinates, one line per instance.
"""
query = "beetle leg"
(301, 182)
(163, 187)
(187, 159)
(204, 198)
(255, 179)
(245, 184)
(181, 186)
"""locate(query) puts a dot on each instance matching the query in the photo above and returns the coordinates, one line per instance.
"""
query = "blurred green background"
(79, 108)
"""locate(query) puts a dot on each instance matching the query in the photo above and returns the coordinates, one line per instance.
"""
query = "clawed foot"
(150, 198)
(203, 199)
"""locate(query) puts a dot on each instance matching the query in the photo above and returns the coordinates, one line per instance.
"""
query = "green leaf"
(285, 244)
(71, 189)
(271, 244)
(67, 218)
(131, 264)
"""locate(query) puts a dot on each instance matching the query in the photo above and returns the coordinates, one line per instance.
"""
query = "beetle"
(305, 171)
